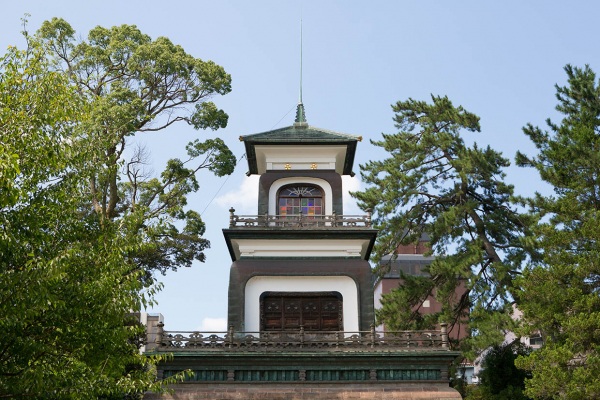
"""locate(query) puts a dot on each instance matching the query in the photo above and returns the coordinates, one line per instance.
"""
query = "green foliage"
(135, 85)
(475, 392)
(65, 283)
(434, 183)
(500, 379)
(81, 227)
(560, 293)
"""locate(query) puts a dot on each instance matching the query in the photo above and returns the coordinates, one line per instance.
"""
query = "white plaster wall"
(259, 284)
(300, 248)
(377, 293)
(300, 157)
(323, 184)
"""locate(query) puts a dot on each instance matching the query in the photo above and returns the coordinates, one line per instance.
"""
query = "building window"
(283, 311)
(300, 199)
(536, 341)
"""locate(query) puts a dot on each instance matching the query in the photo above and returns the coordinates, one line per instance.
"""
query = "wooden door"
(282, 311)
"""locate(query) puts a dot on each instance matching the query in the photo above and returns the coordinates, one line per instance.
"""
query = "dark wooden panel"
(290, 311)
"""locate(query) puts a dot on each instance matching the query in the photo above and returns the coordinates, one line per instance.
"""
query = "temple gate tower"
(300, 308)
(300, 263)
(301, 294)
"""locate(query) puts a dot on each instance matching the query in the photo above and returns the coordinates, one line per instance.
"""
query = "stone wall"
(312, 391)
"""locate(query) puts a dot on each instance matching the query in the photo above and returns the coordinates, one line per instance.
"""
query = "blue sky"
(499, 60)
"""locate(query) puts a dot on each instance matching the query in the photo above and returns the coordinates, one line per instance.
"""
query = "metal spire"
(300, 59)
(300, 114)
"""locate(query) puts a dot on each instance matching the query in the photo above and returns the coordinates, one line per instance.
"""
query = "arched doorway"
(314, 311)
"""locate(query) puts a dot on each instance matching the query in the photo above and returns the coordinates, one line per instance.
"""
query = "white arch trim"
(279, 183)
(257, 285)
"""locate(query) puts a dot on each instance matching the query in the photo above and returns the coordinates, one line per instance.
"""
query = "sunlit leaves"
(82, 228)
(217, 156)
(207, 115)
(137, 84)
(66, 284)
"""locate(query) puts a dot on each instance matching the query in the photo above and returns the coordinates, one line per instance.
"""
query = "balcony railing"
(299, 221)
(301, 340)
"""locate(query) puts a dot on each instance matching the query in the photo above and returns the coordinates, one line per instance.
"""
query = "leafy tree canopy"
(65, 286)
(135, 85)
(82, 227)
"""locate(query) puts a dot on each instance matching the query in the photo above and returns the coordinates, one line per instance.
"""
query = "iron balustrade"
(301, 340)
(299, 221)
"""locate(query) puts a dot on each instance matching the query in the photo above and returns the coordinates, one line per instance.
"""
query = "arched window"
(300, 199)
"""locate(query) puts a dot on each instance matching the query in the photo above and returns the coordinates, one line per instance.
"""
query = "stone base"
(312, 391)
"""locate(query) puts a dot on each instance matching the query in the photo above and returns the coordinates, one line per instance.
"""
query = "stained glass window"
(305, 200)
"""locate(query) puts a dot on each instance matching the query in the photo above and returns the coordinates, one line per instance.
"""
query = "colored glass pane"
(305, 200)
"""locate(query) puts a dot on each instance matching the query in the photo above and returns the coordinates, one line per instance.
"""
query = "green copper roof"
(301, 134)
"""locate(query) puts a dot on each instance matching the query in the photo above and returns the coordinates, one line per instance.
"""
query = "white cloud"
(350, 184)
(244, 199)
(213, 325)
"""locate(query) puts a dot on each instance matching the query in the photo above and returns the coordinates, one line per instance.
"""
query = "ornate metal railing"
(299, 221)
(300, 340)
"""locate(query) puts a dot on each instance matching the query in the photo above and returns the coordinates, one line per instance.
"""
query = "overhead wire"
(237, 162)
(277, 123)
(221, 187)
(286, 114)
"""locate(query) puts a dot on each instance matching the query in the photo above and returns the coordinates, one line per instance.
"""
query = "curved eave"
(304, 136)
(348, 160)
(367, 234)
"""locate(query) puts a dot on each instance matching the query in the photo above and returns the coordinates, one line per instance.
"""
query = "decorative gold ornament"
(313, 166)
(287, 166)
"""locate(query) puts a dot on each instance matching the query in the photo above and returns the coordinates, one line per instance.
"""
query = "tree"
(65, 284)
(560, 293)
(432, 182)
(499, 378)
(83, 228)
(136, 85)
